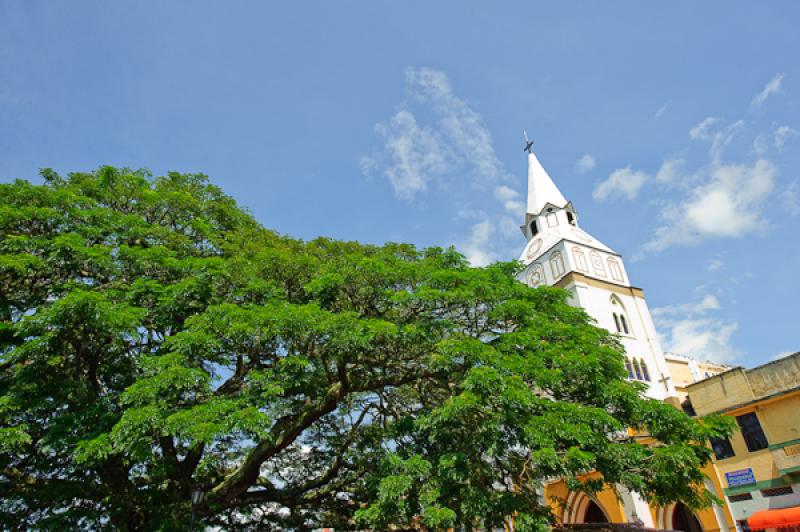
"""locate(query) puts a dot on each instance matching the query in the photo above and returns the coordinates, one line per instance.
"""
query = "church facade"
(559, 253)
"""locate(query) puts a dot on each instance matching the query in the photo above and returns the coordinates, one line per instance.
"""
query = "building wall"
(772, 393)
(642, 343)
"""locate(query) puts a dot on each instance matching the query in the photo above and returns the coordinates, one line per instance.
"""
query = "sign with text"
(792, 450)
(742, 477)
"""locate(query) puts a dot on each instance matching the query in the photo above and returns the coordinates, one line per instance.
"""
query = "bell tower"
(559, 253)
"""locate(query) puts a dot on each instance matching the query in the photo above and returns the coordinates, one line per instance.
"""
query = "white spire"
(541, 189)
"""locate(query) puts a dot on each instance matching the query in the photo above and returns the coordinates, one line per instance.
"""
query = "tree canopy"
(156, 340)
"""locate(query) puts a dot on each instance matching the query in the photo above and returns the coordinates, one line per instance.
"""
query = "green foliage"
(154, 339)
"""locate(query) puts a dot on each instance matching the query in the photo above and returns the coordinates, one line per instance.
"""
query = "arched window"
(645, 372)
(623, 323)
(629, 368)
(557, 264)
(580, 259)
(534, 228)
(615, 269)
(638, 370)
(570, 218)
(620, 316)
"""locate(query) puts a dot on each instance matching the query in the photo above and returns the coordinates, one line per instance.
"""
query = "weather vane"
(528, 143)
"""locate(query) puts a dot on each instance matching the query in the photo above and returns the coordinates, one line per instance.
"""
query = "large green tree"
(156, 340)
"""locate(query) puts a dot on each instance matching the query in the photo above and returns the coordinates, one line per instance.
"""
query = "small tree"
(156, 340)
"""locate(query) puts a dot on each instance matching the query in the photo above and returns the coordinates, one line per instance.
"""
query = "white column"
(635, 507)
(718, 512)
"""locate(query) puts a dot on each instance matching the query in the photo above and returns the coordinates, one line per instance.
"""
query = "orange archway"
(678, 517)
(580, 508)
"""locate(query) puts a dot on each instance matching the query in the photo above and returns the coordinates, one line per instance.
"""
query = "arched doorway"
(683, 519)
(594, 514)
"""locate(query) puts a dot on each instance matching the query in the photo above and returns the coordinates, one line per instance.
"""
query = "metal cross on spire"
(528, 143)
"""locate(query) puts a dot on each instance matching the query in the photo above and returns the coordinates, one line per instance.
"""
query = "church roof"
(541, 189)
(541, 243)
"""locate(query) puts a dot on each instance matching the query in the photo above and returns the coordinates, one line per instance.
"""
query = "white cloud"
(782, 134)
(713, 265)
(663, 109)
(459, 123)
(687, 329)
(622, 182)
(510, 199)
(729, 204)
(704, 338)
(708, 302)
(415, 153)
(445, 137)
(477, 247)
(772, 87)
(700, 131)
(586, 163)
(722, 138)
(791, 199)
(505, 193)
(670, 170)
(442, 139)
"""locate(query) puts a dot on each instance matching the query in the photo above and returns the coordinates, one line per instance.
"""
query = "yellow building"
(759, 466)
(684, 371)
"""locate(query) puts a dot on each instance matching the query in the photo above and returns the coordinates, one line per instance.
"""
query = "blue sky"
(673, 128)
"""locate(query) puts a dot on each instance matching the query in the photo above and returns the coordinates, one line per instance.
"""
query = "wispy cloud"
(670, 171)
(453, 138)
(728, 204)
(791, 199)
(586, 163)
(441, 139)
(662, 110)
(461, 125)
(691, 329)
(622, 182)
(478, 245)
(773, 86)
(510, 199)
(782, 134)
(761, 144)
(416, 155)
(713, 265)
(700, 131)
(721, 199)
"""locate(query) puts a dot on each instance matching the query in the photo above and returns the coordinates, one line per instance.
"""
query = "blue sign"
(741, 477)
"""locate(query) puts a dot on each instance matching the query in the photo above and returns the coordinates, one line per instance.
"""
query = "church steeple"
(547, 209)
(559, 253)
(541, 189)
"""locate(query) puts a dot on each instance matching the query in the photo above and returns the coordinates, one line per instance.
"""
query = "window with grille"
(741, 497)
(774, 492)
(753, 434)
(722, 448)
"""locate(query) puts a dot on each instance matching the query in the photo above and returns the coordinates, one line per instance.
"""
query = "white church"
(559, 253)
